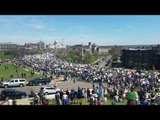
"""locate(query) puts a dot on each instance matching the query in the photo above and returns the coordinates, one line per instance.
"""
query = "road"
(105, 61)
(28, 89)
(60, 84)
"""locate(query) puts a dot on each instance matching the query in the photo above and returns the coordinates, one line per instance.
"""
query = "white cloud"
(37, 26)
(23, 22)
(129, 27)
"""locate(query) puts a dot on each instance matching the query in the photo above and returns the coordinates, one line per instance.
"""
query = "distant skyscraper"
(41, 45)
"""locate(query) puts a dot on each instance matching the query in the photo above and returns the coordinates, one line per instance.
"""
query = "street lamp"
(82, 51)
(55, 49)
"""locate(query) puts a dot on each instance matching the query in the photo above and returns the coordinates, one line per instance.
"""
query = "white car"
(21, 82)
(48, 90)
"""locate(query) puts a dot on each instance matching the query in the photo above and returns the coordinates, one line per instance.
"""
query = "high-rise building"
(41, 45)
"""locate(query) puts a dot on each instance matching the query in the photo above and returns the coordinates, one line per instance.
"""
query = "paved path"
(25, 101)
(105, 61)
(71, 85)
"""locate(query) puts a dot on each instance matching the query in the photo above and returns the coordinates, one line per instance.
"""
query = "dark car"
(12, 94)
(39, 81)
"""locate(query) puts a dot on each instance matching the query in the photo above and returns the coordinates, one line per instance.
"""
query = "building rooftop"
(105, 46)
(136, 49)
(85, 46)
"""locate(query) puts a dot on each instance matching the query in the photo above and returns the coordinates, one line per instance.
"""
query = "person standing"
(72, 96)
(132, 96)
(57, 96)
(17, 72)
(88, 93)
(68, 94)
(36, 99)
(99, 102)
(10, 102)
(24, 75)
(45, 101)
(65, 99)
(93, 85)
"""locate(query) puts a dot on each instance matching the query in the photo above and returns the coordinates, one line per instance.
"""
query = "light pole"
(55, 49)
(82, 51)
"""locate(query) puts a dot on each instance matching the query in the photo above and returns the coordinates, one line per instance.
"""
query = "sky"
(81, 29)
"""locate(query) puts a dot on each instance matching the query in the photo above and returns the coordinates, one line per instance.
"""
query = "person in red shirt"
(45, 101)
(99, 102)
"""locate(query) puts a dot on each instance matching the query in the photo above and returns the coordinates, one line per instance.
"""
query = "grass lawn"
(85, 102)
(109, 102)
(6, 57)
(12, 71)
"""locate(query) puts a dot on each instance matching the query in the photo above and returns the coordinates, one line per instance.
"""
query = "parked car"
(12, 94)
(21, 82)
(39, 81)
(48, 90)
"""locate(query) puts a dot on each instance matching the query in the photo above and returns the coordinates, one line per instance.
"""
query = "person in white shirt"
(10, 102)
(65, 99)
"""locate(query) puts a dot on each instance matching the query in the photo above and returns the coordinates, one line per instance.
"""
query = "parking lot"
(60, 84)
(28, 89)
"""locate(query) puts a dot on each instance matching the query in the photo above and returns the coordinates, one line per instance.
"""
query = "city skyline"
(77, 29)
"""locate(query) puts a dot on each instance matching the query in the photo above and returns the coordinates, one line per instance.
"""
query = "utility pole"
(82, 51)
(55, 48)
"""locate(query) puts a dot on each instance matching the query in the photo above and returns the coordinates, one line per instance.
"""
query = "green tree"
(70, 57)
(88, 58)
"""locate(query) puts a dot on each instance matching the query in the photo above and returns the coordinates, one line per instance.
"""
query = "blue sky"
(77, 29)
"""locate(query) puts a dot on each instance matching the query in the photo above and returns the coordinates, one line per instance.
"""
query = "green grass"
(2, 57)
(12, 71)
(109, 102)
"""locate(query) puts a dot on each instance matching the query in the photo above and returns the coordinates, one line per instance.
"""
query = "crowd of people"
(139, 87)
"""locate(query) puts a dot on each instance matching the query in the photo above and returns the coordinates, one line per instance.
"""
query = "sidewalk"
(25, 101)
(55, 80)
